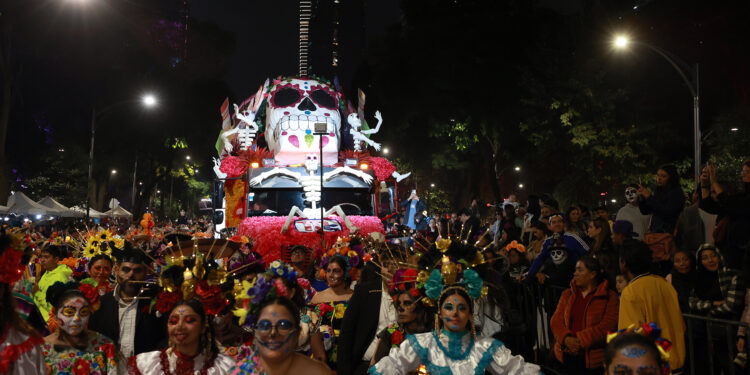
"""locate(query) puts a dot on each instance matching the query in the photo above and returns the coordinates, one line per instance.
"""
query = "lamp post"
(621, 42)
(147, 100)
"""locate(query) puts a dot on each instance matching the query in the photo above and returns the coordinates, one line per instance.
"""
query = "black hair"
(99, 257)
(55, 250)
(299, 296)
(541, 226)
(631, 339)
(287, 303)
(461, 292)
(636, 255)
(207, 340)
(674, 178)
(59, 292)
(464, 211)
(342, 263)
(424, 316)
(549, 201)
(593, 264)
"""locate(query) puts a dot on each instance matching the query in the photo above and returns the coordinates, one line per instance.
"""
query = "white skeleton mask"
(73, 315)
(293, 107)
(558, 256)
(311, 163)
(631, 194)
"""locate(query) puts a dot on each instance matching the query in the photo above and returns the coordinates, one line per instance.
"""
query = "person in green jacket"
(49, 259)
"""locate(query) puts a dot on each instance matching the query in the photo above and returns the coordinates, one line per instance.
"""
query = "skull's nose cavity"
(307, 105)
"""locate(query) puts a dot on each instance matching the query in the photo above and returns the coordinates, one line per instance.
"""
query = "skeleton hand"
(376, 146)
(217, 169)
(257, 180)
(379, 117)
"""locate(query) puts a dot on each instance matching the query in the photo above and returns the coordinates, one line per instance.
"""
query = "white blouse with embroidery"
(150, 363)
(452, 353)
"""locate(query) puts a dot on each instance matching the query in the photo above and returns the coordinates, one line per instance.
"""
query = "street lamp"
(520, 186)
(147, 100)
(386, 150)
(621, 42)
(114, 171)
(517, 168)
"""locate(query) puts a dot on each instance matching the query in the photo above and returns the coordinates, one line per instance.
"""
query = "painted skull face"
(73, 315)
(631, 194)
(293, 107)
(406, 305)
(312, 163)
(558, 256)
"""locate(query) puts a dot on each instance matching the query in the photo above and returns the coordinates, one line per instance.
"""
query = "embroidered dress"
(331, 315)
(452, 353)
(167, 361)
(249, 366)
(20, 354)
(99, 358)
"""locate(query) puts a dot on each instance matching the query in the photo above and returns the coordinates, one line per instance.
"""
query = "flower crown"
(101, 242)
(651, 331)
(516, 245)
(451, 275)
(193, 277)
(353, 255)
(250, 295)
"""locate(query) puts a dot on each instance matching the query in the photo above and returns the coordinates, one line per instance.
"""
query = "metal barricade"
(711, 334)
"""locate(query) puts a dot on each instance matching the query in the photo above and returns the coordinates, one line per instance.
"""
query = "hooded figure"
(720, 292)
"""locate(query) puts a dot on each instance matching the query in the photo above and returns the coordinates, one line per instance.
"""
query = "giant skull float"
(293, 106)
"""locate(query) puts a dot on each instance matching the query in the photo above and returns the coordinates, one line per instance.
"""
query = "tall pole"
(132, 195)
(322, 219)
(91, 162)
(696, 128)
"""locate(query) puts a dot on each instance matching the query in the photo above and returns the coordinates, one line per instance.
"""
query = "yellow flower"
(339, 311)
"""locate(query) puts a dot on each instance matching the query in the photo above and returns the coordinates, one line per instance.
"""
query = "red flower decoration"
(91, 293)
(166, 300)
(81, 367)
(414, 292)
(325, 308)
(214, 305)
(11, 268)
(366, 258)
(396, 338)
(233, 166)
(210, 296)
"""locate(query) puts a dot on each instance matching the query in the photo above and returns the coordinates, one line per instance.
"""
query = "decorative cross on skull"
(312, 187)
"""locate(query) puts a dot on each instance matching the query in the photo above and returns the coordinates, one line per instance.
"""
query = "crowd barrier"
(710, 343)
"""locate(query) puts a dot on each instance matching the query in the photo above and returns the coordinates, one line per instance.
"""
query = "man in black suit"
(124, 318)
(370, 311)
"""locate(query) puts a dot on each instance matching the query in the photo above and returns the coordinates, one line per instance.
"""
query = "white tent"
(23, 205)
(59, 208)
(118, 211)
(92, 212)
(3, 209)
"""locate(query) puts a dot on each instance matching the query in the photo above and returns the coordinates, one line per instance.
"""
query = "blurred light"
(621, 41)
(518, 168)
(254, 164)
(432, 185)
(38, 217)
(26, 219)
(614, 200)
(61, 149)
(734, 129)
(149, 100)
(364, 166)
(520, 186)
(158, 191)
(196, 170)
(386, 150)
(187, 157)
(603, 194)
(140, 183)
(114, 171)
(6, 218)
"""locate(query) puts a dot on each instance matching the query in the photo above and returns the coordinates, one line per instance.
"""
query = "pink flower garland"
(382, 167)
(233, 166)
(268, 240)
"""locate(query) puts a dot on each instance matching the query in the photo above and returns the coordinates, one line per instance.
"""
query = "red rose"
(11, 268)
(166, 300)
(396, 338)
(410, 275)
(414, 292)
(204, 291)
(81, 367)
(90, 292)
(214, 305)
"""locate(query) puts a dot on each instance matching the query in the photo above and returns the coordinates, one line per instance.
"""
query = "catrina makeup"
(455, 313)
(73, 316)
(184, 325)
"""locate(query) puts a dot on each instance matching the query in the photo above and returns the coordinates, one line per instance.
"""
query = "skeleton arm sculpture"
(360, 136)
(245, 130)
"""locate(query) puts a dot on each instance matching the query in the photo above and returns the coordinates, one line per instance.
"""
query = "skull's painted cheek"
(325, 141)
(294, 140)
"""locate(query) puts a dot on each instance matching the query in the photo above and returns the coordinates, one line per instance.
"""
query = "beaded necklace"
(184, 365)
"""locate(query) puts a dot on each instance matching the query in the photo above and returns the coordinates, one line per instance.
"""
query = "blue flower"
(434, 285)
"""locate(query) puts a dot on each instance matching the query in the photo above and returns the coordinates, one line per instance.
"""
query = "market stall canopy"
(59, 209)
(92, 212)
(20, 204)
(3, 209)
(118, 211)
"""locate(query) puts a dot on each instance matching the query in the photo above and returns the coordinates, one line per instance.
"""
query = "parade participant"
(637, 353)
(192, 348)
(584, 315)
(72, 347)
(298, 257)
(100, 269)
(412, 315)
(276, 329)
(650, 298)
(123, 316)
(20, 345)
(331, 305)
(575, 245)
(452, 348)
(631, 213)
(54, 271)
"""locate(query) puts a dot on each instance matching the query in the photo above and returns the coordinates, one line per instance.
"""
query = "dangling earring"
(437, 324)
(473, 329)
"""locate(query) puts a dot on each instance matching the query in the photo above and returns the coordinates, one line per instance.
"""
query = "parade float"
(295, 168)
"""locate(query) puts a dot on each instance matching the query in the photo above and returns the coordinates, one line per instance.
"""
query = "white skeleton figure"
(312, 188)
(217, 169)
(245, 130)
(361, 135)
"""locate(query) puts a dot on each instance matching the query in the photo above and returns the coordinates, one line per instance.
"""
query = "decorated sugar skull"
(311, 163)
(558, 255)
(293, 107)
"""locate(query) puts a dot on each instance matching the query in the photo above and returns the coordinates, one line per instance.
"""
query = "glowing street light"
(517, 168)
(432, 185)
(114, 171)
(187, 157)
(386, 150)
(520, 186)
(614, 200)
(734, 129)
(149, 100)
(621, 41)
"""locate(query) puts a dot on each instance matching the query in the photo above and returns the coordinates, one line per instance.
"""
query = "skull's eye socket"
(286, 96)
(323, 99)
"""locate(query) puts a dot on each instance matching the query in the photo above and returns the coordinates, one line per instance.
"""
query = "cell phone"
(414, 191)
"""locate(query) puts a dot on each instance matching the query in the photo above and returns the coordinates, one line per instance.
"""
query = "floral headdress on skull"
(653, 332)
(350, 250)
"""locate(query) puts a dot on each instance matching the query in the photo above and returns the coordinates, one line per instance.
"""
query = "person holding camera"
(415, 207)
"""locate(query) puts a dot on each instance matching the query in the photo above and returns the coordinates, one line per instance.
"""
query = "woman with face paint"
(330, 305)
(452, 348)
(100, 269)
(276, 334)
(72, 348)
(633, 354)
(192, 347)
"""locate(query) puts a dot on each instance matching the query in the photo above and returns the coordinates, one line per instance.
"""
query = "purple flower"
(64, 364)
(353, 261)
